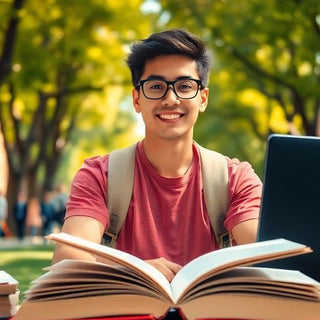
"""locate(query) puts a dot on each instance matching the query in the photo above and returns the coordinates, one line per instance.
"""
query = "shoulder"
(92, 172)
(96, 162)
(242, 174)
(236, 169)
(235, 166)
(98, 165)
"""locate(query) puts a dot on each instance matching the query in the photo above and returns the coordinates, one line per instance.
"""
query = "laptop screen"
(290, 206)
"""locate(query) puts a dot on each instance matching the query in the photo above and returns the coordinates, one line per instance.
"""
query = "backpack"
(120, 184)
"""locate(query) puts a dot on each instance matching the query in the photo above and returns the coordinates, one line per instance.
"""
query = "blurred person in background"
(47, 213)
(33, 219)
(59, 203)
(20, 212)
(3, 212)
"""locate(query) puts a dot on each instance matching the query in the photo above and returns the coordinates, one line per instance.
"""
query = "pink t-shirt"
(167, 217)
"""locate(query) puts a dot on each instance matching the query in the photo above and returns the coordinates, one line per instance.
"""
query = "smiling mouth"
(170, 116)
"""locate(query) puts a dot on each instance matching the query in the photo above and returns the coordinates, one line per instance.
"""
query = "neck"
(170, 158)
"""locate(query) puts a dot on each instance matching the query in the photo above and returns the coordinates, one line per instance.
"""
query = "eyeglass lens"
(157, 89)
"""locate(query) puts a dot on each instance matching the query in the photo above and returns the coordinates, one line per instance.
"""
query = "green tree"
(64, 62)
(267, 66)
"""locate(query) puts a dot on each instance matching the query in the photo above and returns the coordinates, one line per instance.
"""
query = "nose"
(170, 97)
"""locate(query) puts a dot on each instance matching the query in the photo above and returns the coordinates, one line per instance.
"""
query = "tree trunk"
(9, 41)
(15, 182)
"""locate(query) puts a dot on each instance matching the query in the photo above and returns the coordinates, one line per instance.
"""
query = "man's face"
(170, 117)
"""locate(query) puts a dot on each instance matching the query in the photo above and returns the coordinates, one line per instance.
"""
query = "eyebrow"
(158, 77)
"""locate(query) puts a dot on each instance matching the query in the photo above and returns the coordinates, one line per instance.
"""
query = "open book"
(218, 284)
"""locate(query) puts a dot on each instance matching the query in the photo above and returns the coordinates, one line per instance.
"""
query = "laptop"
(290, 206)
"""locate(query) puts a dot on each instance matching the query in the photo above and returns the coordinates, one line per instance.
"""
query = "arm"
(246, 231)
(92, 230)
(88, 195)
(245, 197)
(83, 227)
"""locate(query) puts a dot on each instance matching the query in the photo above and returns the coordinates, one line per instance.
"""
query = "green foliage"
(266, 69)
(26, 263)
(68, 77)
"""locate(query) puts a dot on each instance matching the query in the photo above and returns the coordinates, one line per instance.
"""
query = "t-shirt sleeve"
(88, 191)
(245, 188)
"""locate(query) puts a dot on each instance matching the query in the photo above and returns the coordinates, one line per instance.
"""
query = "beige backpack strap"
(215, 188)
(120, 185)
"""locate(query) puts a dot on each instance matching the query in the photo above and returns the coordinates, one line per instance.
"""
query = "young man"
(167, 222)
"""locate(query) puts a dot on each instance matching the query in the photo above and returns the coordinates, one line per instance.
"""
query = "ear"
(204, 94)
(136, 100)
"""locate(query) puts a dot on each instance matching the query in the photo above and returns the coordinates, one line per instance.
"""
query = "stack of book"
(9, 295)
(217, 285)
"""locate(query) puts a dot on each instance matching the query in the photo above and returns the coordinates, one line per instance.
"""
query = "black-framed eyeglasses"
(155, 89)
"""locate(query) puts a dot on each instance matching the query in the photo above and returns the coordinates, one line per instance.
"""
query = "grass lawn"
(26, 263)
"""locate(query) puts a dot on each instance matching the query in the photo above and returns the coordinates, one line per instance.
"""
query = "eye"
(185, 85)
(155, 85)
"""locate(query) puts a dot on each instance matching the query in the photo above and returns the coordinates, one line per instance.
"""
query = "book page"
(273, 282)
(11, 299)
(92, 306)
(195, 271)
(250, 306)
(77, 278)
(118, 257)
(227, 258)
(7, 283)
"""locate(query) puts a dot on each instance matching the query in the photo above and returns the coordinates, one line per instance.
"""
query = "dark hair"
(173, 41)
